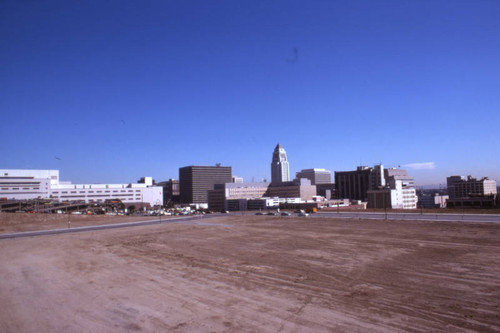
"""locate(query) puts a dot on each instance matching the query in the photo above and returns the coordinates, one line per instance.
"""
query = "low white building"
(398, 193)
(403, 197)
(45, 184)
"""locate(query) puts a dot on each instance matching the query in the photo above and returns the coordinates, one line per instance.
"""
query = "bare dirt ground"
(21, 222)
(256, 274)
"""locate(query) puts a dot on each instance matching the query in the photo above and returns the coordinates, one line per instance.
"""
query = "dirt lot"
(256, 274)
(20, 222)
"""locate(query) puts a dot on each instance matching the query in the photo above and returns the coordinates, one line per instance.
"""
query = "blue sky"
(109, 91)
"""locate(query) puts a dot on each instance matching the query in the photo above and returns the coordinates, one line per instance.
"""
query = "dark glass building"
(196, 181)
(355, 184)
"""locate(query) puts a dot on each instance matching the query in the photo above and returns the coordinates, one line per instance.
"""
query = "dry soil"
(256, 274)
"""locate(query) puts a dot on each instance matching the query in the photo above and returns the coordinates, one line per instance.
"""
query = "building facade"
(45, 184)
(316, 176)
(171, 192)
(461, 187)
(381, 188)
(237, 179)
(354, 184)
(226, 196)
(450, 185)
(280, 170)
(471, 192)
(395, 196)
(196, 181)
(299, 189)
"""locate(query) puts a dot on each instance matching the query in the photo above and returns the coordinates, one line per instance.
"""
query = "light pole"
(421, 203)
(385, 202)
(159, 209)
(338, 202)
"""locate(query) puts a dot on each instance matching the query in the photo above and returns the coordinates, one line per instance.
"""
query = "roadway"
(441, 217)
(109, 226)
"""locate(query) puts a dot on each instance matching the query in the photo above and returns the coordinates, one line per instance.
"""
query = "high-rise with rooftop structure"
(280, 170)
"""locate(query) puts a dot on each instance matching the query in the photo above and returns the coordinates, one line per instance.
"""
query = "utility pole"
(385, 204)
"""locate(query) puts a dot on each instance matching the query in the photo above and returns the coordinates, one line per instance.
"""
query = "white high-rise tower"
(280, 171)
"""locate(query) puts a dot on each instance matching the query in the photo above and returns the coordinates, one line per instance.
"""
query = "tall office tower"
(280, 171)
(196, 181)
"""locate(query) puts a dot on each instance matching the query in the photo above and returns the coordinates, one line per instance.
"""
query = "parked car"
(285, 214)
(259, 213)
(272, 213)
(303, 214)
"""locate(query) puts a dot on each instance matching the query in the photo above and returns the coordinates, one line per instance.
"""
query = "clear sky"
(109, 91)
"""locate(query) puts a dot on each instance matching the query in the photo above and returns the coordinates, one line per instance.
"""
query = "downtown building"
(379, 187)
(171, 192)
(281, 186)
(235, 196)
(471, 192)
(461, 187)
(258, 195)
(16, 184)
(398, 193)
(321, 178)
(316, 176)
(354, 184)
(280, 169)
(196, 181)
(238, 196)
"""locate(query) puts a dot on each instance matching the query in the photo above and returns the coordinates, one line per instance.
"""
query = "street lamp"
(159, 210)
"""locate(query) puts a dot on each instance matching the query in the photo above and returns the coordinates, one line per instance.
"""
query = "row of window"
(115, 191)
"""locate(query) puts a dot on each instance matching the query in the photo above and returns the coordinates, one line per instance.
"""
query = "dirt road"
(256, 274)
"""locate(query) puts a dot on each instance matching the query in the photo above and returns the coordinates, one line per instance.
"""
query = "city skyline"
(110, 92)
